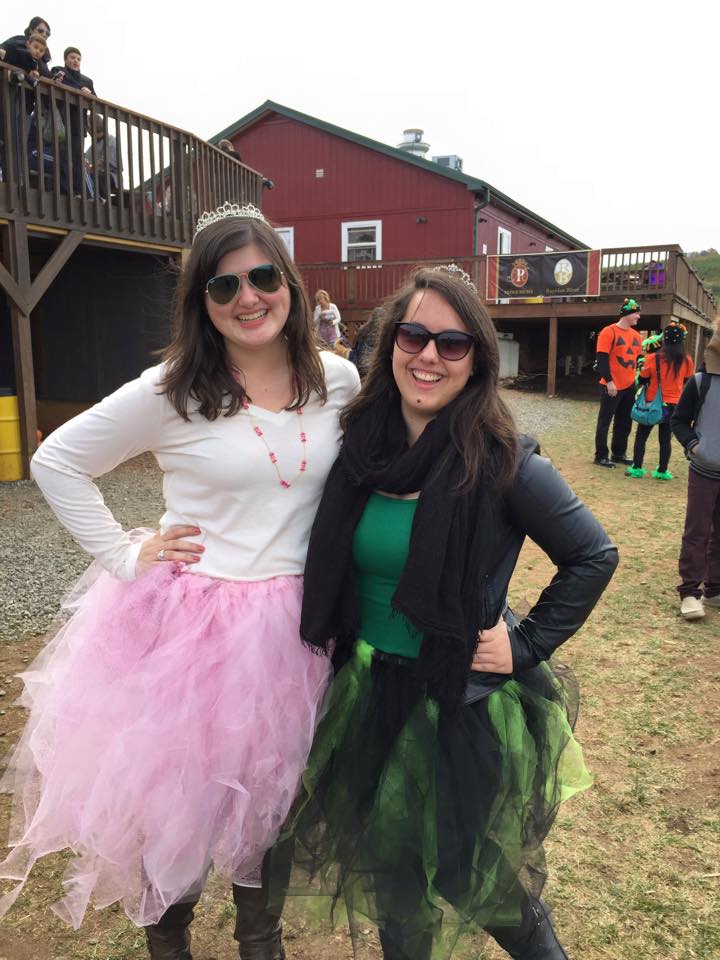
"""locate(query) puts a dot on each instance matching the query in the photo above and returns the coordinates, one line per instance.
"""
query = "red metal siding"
(362, 184)
(527, 237)
(358, 184)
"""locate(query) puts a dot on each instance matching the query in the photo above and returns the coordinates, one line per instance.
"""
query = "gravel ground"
(39, 560)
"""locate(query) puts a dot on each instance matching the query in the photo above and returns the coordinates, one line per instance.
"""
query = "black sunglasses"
(266, 278)
(450, 344)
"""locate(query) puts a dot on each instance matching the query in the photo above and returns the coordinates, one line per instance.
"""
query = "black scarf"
(440, 592)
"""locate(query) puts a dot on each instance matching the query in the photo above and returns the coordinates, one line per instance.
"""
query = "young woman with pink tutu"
(172, 713)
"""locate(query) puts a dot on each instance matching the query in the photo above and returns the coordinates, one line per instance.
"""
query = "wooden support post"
(351, 283)
(552, 355)
(54, 265)
(17, 256)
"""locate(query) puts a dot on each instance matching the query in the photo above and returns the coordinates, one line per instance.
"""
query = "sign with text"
(563, 273)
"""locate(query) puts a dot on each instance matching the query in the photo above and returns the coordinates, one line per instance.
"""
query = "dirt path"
(635, 861)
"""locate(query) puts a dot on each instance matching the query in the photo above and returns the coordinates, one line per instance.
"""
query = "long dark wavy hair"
(482, 428)
(674, 354)
(198, 367)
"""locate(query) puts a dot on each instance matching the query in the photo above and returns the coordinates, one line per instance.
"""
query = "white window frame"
(549, 249)
(287, 235)
(353, 224)
(502, 232)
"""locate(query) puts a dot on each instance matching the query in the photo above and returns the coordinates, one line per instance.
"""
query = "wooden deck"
(659, 277)
(165, 176)
(163, 179)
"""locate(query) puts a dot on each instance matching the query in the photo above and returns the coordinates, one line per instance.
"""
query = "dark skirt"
(430, 823)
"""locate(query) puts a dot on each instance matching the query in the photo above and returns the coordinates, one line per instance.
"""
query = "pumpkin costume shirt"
(617, 353)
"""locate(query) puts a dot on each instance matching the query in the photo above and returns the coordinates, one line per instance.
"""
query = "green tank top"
(380, 549)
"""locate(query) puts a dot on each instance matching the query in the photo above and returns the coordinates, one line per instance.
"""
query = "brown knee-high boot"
(258, 931)
(169, 938)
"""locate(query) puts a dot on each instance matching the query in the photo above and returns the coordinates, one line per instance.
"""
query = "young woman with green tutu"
(446, 746)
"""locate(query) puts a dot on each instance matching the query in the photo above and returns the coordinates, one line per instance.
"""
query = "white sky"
(601, 117)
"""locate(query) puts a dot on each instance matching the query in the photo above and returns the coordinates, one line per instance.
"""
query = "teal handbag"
(645, 411)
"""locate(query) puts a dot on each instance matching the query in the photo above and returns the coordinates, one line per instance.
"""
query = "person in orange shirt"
(618, 348)
(675, 367)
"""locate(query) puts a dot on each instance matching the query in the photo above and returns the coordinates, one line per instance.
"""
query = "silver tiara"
(248, 212)
(455, 271)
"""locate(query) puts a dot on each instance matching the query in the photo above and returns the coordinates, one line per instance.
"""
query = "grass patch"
(635, 861)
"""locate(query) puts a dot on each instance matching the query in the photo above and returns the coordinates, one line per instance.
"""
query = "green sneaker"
(662, 475)
(636, 472)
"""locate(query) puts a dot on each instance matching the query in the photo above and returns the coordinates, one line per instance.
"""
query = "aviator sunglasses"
(266, 278)
(450, 344)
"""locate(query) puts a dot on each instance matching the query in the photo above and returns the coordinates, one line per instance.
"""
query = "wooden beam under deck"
(552, 355)
(60, 256)
(17, 255)
(591, 310)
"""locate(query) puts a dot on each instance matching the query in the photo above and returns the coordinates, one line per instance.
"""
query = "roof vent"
(451, 160)
(412, 142)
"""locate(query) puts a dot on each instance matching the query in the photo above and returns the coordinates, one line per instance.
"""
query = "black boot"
(391, 941)
(534, 939)
(169, 938)
(258, 931)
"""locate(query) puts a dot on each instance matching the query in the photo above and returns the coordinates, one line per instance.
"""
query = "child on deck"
(106, 156)
(30, 57)
(30, 60)
(70, 76)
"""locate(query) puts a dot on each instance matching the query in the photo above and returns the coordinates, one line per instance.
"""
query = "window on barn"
(361, 241)
(287, 234)
(504, 241)
(504, 246)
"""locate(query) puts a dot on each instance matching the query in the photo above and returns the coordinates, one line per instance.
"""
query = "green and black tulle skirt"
(427, 824)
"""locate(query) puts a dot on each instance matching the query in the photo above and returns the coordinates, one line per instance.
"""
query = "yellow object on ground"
(10, 446)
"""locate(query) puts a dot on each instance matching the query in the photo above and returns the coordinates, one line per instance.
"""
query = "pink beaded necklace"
(259, 432)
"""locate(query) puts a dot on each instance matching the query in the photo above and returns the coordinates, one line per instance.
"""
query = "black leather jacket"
(541, 505)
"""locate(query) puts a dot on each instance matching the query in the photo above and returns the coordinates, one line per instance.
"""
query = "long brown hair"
(482, 428)
(197, 364)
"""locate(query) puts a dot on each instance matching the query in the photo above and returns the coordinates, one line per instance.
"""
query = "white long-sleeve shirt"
(217, 475)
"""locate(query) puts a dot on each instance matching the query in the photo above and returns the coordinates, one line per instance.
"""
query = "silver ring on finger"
(161, 554)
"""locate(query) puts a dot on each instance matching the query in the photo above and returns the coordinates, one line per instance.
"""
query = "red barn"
(357, 214)
(341, 197)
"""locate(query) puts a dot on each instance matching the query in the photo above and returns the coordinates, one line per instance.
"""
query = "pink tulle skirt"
(170, 721)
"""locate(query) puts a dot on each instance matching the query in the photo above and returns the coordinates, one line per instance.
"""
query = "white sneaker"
(692, 609)
(712, 601)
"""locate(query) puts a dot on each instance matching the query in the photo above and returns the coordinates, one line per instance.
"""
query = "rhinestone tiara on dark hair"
(247, 212)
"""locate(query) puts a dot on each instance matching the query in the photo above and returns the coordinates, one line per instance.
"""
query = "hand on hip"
(169, 546)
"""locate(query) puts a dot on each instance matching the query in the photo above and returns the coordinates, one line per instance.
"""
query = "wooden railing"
(651, 271)
(162, 180)
(365, 285)
(655, 270)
